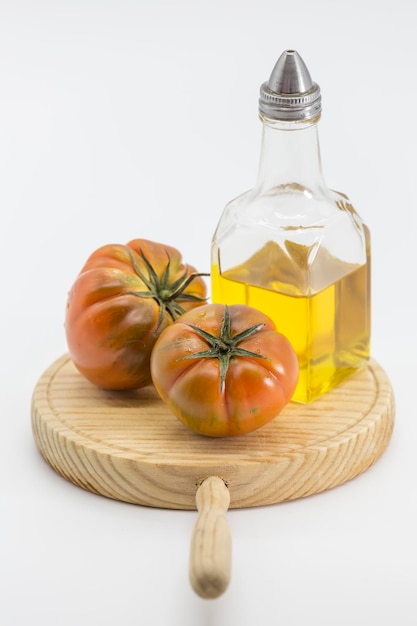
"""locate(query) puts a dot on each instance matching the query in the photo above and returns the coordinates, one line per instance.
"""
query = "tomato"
(224, 370)
(123, 298)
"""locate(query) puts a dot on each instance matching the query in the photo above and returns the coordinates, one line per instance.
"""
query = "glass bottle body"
(299, 252)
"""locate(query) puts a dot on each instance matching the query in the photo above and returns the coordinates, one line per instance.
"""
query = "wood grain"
(128, 445)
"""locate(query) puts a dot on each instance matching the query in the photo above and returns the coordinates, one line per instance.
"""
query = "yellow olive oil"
(329, 329)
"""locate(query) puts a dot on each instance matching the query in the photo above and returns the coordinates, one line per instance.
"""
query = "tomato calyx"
(223, 346)
(167, 294)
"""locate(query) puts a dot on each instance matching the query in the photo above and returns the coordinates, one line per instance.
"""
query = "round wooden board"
(129, 446)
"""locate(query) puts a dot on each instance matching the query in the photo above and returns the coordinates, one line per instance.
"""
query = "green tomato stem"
(223, 346)
(167, 295)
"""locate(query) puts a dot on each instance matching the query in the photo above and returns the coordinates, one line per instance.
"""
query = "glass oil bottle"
(293, 248)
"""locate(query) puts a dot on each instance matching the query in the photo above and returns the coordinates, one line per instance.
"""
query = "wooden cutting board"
(129, 446)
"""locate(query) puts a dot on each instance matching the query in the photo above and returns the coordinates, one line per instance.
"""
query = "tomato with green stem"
(224, 370)
(121, 301)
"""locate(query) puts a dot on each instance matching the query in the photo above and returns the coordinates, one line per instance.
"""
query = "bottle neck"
(290, 154)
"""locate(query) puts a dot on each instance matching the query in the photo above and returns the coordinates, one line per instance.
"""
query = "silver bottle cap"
(290, 94)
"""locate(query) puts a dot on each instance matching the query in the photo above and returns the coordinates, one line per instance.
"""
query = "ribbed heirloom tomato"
(224, 370)
(123, 298)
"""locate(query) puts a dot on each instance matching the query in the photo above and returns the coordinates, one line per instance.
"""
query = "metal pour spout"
(290, 94)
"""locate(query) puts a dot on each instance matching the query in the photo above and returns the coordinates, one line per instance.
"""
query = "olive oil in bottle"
(294, 249)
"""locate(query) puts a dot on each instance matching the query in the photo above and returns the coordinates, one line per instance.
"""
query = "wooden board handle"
(210, 558)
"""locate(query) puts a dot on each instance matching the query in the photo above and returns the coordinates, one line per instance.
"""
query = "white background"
(123, 119)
